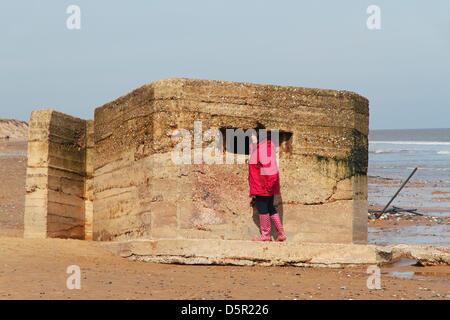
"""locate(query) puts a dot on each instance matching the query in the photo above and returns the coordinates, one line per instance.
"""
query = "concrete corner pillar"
(55, 201)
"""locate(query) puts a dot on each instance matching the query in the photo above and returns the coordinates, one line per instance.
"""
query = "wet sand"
(429, 199)
(36, 269)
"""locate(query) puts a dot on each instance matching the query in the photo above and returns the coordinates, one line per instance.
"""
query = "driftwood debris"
(397, 210)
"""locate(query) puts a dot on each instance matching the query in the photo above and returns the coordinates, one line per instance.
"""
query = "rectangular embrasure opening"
(237, 140)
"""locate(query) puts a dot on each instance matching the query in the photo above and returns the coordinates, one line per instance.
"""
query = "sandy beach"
(36, 269)
(13, 163)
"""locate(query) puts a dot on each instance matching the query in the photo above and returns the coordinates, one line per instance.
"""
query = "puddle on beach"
(402, 274)
(407, 268)
(403, 262)
(437, 235)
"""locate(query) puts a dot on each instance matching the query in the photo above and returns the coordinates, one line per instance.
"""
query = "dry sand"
(36, 269)
(13, 163)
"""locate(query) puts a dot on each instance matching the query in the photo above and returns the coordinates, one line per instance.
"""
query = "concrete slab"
(241, 252)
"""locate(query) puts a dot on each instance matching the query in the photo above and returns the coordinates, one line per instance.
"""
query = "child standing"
(264, 182)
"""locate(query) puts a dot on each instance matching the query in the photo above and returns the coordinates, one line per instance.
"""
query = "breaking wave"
(387, 151)
(410, 168)
(437, 143)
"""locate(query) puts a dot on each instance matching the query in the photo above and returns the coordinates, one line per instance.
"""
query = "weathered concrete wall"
(55, 201)
(122, 168)
(36, 199)
(141, 193)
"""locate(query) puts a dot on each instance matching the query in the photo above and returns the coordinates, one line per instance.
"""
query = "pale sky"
(403, 68)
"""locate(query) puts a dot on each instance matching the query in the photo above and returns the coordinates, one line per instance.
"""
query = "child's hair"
(260, 126)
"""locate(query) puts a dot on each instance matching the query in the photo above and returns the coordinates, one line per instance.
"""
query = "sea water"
(393, 154)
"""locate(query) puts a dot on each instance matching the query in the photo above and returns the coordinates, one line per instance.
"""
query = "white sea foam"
(443, 152)
(440, 143)
(384, 151)
(387, 151)
(410, 168)
(432, 169)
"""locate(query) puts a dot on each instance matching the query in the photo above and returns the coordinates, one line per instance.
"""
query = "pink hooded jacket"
(263, 177)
